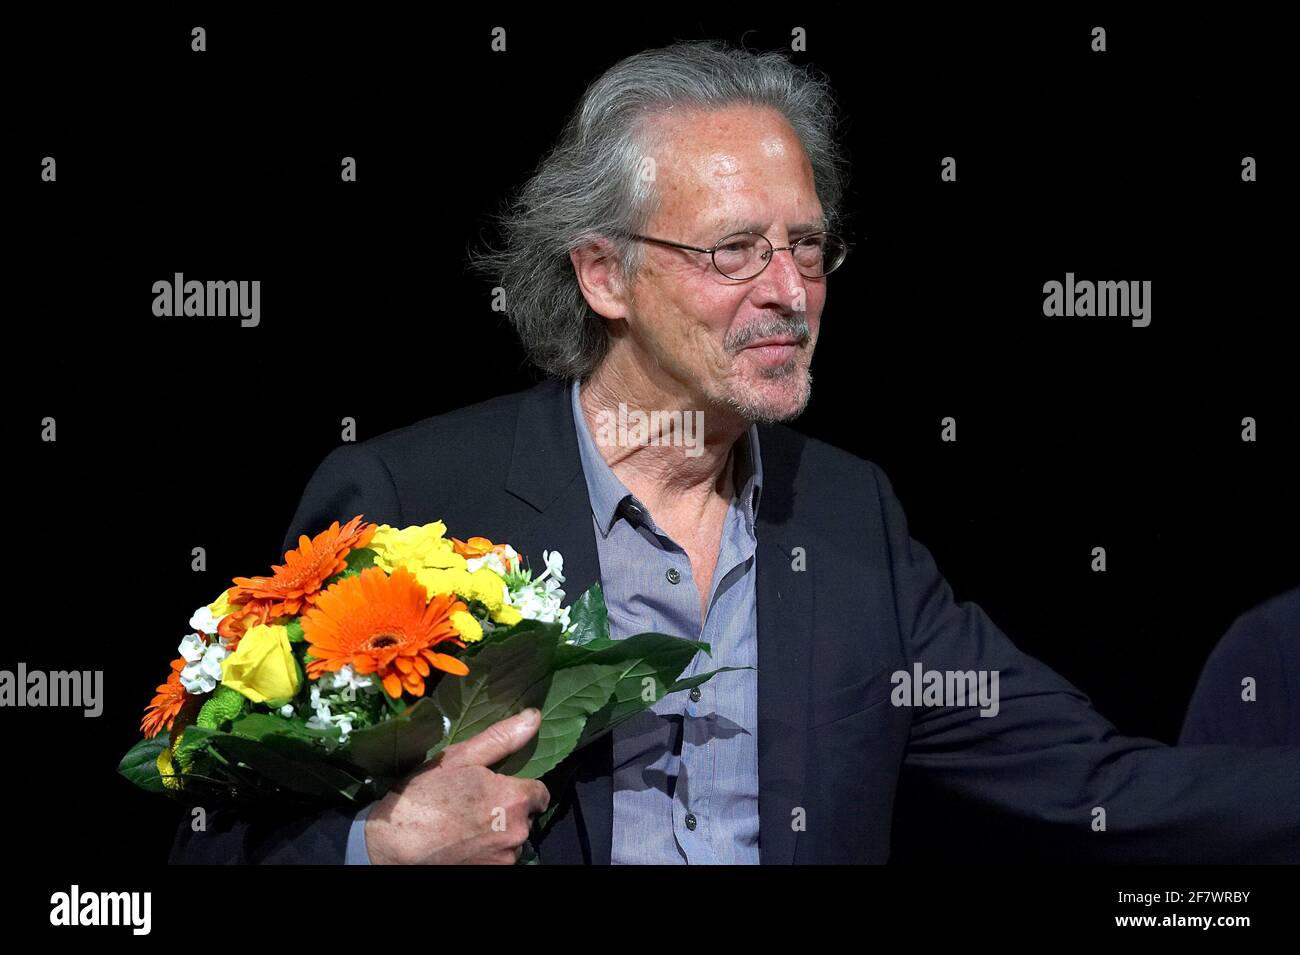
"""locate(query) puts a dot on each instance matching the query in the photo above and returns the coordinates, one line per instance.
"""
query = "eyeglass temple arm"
(675, 245)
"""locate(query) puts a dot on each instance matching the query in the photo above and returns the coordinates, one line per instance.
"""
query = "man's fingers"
(539, 797)
(496, 742)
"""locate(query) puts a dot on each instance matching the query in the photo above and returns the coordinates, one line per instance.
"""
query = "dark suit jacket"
(831, 744)
(1263, 644)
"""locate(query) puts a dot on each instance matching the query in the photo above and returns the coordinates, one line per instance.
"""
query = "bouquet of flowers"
(370, 650)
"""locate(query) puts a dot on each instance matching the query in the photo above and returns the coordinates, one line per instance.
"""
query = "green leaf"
(292, 764)
(694, 681)
(294, 627)
(588, 617)
(358, 559)
(503, 679)
(262, 725)
(396, 746)
(501, 634)
(572, 695)
(652, 663)
(140, 764)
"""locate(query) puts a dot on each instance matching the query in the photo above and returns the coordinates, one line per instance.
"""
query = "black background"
(1073, 433)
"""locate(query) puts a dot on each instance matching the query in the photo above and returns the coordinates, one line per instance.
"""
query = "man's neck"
(661, 473)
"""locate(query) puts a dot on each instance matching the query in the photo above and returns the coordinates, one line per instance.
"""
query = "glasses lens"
(742, 255)
(819, 254)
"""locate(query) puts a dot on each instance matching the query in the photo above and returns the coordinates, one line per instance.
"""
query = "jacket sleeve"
(351, 480)
(1046, 759)
(1263, 647)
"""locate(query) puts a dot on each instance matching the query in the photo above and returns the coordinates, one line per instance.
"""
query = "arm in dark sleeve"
(1262, 647)
(351, 480)
(1049, 760)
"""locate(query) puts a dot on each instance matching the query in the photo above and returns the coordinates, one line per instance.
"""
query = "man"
(672, 254)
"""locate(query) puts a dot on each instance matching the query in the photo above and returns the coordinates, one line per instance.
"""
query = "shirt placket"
(698, 757)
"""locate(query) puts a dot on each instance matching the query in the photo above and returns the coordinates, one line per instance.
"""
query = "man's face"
(739, 169)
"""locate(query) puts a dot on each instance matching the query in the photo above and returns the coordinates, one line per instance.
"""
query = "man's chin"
(773, 399)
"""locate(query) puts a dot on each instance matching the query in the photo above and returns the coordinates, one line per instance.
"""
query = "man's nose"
(783, 280)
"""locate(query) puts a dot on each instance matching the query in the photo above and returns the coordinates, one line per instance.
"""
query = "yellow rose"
(221, 606)
(263, 667)
(416, 548)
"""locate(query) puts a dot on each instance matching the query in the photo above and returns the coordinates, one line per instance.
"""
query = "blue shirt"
(685, 771)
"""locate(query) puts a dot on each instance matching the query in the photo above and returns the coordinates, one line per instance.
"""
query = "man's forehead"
(727, 155)
(729, 130)
(737, 152)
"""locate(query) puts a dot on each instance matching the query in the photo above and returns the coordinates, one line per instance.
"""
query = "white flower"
(319, 703)
(287, 711)
(347, 682)
(205, 621)
(537, 603)
(192, 648)
(342, 686)
(491, 561)
(554, 565)
(203, 675)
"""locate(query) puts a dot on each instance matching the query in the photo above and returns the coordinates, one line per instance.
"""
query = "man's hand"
(456, 810)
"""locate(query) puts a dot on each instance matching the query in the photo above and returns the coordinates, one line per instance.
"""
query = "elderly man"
(673, 254)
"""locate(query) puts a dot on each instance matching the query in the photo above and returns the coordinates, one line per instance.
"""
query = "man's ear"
(600, 277)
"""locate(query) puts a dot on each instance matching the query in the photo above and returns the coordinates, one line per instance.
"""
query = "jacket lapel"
(784, 598)
(546, 472)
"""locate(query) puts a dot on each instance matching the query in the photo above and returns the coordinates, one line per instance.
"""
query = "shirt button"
(695, 694)
(673, 576)
(690, 821)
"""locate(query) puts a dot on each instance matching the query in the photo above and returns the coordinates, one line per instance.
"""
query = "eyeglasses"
(744, 255)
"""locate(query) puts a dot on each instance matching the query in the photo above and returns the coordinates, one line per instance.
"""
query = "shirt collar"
(608, 493)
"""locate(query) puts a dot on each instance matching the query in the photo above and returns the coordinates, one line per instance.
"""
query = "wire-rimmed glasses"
(744, 255)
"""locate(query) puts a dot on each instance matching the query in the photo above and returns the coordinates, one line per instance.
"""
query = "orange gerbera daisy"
(240, 620)
(161, 712)
(383, 625)
(298, 581)
(481, 547)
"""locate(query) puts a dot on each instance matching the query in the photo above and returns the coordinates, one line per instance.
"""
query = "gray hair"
(589, 185)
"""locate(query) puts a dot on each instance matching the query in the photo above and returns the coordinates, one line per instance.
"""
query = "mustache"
(796, 328)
